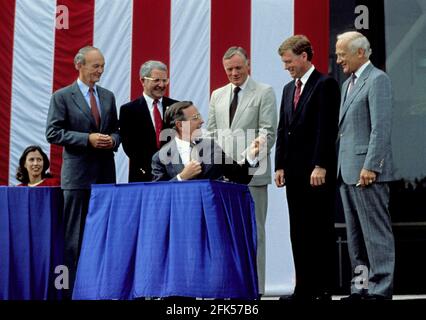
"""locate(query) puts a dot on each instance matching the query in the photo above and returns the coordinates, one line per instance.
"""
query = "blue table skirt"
(194, 238)
(31, 242)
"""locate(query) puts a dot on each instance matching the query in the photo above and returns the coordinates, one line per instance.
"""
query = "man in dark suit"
(365, 168)
(187, 156)
(305, 162)
(139, 130)
(83, 118)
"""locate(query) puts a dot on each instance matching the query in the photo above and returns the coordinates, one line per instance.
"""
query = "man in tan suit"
(239, 112)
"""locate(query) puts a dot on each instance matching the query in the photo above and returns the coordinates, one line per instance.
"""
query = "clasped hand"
(101, 141)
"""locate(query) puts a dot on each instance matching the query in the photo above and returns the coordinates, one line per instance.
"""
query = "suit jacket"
(306, 136)
(69, 123)
(167, 163)
(365, 121)
(138, 136)
(256, 110)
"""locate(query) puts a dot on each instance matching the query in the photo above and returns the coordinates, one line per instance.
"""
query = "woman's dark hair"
(22, 172)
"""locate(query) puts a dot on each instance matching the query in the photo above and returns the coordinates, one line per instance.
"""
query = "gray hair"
(175, 113)
(356, 40)
(236, 50)
(147, 67)
(80, 57)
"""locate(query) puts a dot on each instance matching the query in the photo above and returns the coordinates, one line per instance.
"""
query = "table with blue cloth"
(31, 242)
(191, 238)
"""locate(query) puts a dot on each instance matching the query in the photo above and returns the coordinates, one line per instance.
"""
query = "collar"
(182, 144)
(84, 88)
(150, 101)
(306, 76)
(361, 69)
(243, 86)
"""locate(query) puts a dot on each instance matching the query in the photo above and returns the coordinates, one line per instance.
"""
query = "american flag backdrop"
(39, 38)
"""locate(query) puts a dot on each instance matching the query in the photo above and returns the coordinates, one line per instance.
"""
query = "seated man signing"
(187, 156)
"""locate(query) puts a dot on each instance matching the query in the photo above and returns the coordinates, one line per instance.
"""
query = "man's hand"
(101, 141)
(191, 170)
(318, 176)
(255, 147)
(366, 178)
(279, 178)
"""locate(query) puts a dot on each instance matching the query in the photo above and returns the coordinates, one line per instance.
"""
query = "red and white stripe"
(190, 36)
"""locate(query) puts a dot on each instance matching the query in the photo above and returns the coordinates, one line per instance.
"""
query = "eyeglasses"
(157, 80)
(196, 116)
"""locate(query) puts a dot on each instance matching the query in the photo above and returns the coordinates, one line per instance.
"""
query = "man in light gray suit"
(365, 168)
(83, 119)
(239, 112)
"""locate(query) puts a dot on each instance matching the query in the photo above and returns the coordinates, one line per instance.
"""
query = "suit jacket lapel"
(104, 104)
(288, 102)
(145, 114)
(306, 94)
(354, 91)
(81, 103)
(175, 165)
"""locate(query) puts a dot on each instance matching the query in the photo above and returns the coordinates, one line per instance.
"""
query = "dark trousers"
(312, 213)
(76, 204)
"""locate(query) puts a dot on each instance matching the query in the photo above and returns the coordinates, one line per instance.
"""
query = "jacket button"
(289, 133)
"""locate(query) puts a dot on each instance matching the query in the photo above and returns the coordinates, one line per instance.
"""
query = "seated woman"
(33, 165)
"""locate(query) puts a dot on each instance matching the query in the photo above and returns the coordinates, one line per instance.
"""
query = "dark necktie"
(297, 93)
(158, 122)
(94, 108)
(234, 104)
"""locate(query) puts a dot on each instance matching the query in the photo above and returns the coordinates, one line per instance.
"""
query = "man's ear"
(77, 66)
(178, 124)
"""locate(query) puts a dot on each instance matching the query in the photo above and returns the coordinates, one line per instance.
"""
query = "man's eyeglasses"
(196, 116)
(157, 80)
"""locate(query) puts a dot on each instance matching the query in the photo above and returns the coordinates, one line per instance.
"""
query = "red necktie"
(297, 93)
(158, 123)
(94, 108)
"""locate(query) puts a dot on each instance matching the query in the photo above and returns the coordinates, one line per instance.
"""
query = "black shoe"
(297, 297)
(353, 297)
(293, 297)
(376, 297)
(325, 296)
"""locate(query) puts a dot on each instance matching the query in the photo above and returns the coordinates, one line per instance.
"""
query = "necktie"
(158, 122)
(297, 93)
(234, 104)
(351, 83)
(94, 108)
